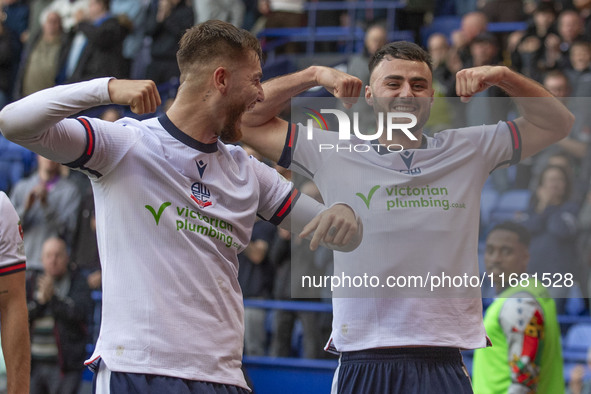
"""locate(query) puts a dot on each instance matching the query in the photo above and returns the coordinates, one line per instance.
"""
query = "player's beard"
(231, 131)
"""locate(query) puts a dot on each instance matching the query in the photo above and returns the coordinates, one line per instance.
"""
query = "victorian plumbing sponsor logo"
(409, 197)
(345, 129)
(188, 219)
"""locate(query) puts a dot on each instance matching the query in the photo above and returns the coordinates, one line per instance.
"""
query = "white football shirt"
(172, 214)
(420, 209)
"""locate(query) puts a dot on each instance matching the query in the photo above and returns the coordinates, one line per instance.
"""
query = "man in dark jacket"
(166, 24)
(59, 305)
(96, 49)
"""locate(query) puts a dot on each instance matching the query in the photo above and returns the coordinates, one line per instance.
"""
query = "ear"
(221, 79)
(368, 97)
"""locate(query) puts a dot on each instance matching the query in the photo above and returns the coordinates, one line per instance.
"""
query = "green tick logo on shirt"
(160, 210)
(367, 199)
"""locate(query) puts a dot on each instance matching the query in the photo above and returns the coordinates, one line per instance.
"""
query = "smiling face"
(398, 85)
(580, 56)
(505, 254)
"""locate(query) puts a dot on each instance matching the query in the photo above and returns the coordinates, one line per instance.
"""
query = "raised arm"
(261, 127)
(28, 121)
(544, 119)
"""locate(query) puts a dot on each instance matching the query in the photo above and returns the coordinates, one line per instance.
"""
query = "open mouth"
(404, 108)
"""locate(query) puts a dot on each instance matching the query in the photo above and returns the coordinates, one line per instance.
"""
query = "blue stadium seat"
(510, 203)
(577, 342)
(488, 202)
(15, 163)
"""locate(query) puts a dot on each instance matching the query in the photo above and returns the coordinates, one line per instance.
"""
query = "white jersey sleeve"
(277, 194)
(12, 251)
(500, 144)
(106, 144)
(38, 122)
(308, 157)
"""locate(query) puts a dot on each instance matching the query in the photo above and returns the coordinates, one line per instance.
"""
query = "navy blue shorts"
(136, 383)
(428, 370)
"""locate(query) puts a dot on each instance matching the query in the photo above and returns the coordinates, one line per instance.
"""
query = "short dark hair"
(214, 40)
(568, 187)
(547, 7)
(106, 4)
(485, 38)
(582, 43)
(523, 234)
(400, 50)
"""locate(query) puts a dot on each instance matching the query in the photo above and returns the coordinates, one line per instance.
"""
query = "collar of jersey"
(385, 151)
(184, 138)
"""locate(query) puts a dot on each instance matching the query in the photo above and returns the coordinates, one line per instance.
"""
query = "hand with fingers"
(470, 81)
(341, 85)
(142, 95)
(337, 228)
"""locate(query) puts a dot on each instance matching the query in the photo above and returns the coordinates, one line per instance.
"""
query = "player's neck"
(197, 124)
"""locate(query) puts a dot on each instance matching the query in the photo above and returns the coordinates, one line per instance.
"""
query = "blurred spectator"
(59, 309)
(579, 72)
(84, 246)
(97, 46)
(251, 14)
(552, 222)
(473, 24)
(293, 258)
(443, 73)
(41, 59)
(255, 276)
(231, 11)
(47, 204)
(15, 18)
(15, 163)
(68, 10)
(112, 114)
(570, 29)
(7, 61)
(444, 81)
(484, 50)
(503, 10)
(375, 37)
(463, 7)
(283, 13)
(575, 145)
(526, 356)
(412, 16)
(166, 24)
(557, 83)
(136, 11)
(491, 105)
(528, 52)
(577, 383)
(36, 10)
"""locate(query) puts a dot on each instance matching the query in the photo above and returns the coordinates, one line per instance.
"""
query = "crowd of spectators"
(49, 42)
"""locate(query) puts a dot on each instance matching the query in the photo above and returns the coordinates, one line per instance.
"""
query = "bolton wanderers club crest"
(200, 194)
